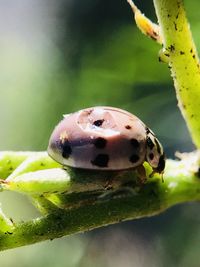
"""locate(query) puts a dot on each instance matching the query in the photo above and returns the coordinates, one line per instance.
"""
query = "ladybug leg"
(161, 175)
(118, 190)
(141, 174)
(118, 193)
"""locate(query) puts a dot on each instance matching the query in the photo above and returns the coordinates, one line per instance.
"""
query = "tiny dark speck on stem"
(155, 34)
(182, 53)
(171, 48)
(10, 233)
(153, 37)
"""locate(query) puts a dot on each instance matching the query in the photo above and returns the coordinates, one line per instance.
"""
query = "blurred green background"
(60, 56)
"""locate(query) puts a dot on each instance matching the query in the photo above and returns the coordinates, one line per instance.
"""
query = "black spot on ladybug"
(66, 149)
(100, 142)
(134, 158)
(151, 156)
(161, 164)
(135, 143)
(101, 160)
(157, 146)
(128, 127)
(150, 144)
(98, 123)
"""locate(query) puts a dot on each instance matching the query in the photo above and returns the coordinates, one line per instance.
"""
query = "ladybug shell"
(104, 138)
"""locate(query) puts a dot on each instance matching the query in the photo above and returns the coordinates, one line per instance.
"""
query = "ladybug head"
(155, 155)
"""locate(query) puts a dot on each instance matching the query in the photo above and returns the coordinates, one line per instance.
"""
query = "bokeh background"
(60, 56)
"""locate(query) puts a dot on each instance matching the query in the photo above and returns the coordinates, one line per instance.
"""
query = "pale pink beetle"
(105, 138)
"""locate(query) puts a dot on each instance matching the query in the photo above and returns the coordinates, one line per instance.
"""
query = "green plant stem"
(10, 161)
(180, 185)
(183, 61)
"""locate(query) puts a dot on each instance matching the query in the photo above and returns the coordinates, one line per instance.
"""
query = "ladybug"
(105, 138)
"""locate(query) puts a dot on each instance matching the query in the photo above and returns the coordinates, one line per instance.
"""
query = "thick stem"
(183, 60)
(180, 185)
